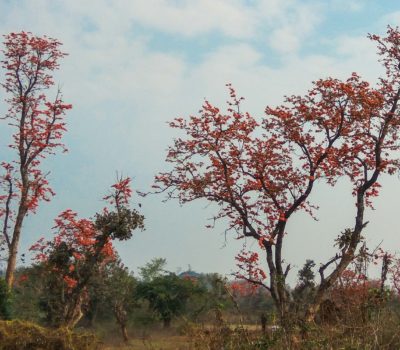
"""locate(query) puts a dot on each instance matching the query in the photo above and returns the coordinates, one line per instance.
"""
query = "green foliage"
(344, 239)
(305, 288)
(19, 335)
(118, 293)
(212, 295)
(255, 305)
(153, 269)
(119, 225)
(306, 274)
(119, 286)
(5, 301)
(81, 250)
(167, 295)
(52, 299)
(27, 293)
(54, 292)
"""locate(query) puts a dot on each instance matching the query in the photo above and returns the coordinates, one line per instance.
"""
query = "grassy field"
(383, 334)
(156, 342)
(370, 336)
(160, 339)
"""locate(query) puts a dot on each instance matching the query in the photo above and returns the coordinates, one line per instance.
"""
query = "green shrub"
(5, 301)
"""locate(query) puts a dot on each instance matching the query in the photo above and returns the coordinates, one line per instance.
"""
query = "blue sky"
(133, 65)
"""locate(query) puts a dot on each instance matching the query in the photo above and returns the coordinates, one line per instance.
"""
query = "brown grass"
(382, 333)
(23, 335)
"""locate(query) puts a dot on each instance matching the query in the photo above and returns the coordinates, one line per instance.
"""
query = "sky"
(134, 65)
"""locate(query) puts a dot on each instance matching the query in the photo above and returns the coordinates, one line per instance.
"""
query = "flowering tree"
(260, 173)
(368, 153)
(260, 181)
(39, 125)
(81, 248)
(354, 295)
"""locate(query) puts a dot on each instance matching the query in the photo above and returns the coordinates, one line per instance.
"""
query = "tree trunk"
(284, 319)
(280, 296)
(311, 312)
(347, 254)
(278, 290)
(74, 317)
(73, 313)
(167, 323)
(13, 248)
(13, 251)
(121, 317)
(124, 333)
(325, 285)
(11, 264)
(263, 320)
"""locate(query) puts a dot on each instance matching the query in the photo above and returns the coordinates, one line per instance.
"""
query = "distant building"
(189, 274)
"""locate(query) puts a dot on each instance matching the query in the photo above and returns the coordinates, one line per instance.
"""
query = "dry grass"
(22, 335)
(194, 337)
(155, 342)
(383, 334)
(380, 332)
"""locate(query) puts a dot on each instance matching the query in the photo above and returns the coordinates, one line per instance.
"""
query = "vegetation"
(259, 173)
(81, 249)
(5, 301)
(209, 311)
(20, 335)
(38, 128)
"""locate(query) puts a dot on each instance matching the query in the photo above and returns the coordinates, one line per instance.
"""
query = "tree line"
(259, 172)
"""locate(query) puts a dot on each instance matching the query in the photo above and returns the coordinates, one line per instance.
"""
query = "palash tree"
(260, 173)
(38, 125)
(365, 156)
(80, 249)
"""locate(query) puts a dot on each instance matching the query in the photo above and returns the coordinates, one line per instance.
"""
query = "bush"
(22, 335)
(5, 301)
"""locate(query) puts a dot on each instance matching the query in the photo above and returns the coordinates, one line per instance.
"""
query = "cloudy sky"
(133, 65)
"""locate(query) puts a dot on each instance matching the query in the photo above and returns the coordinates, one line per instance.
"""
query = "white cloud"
(292, 28)
(348, 5)
(123, 90)
(190, 18)
(361, 52)
(392, 19)
(285, 40)
(287, 22)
